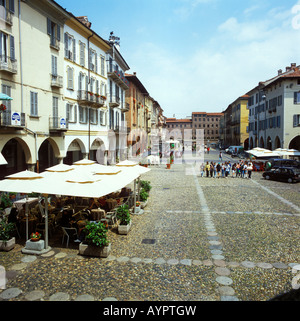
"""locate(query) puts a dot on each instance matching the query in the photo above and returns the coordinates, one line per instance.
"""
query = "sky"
(198, 55)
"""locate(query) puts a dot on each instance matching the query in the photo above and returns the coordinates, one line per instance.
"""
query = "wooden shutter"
(58, 32)
(12, 47)
(49, 26)
(74, 49)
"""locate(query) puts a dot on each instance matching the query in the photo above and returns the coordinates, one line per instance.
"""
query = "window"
(7, 47)
(82, 53)
(53, 30)
(70, 47)
(102, 66)
(103, 117)
(54, 65)
(70, 72)
(71, 113)
(93, 116)
(93, 60)
(83, 115)
(297, 98)
(296, 120)
(33, 103)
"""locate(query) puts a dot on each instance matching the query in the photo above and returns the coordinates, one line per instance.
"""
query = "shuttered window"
(33, 103)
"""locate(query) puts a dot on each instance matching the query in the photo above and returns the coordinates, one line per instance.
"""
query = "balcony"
(124, 107)
(118, 77)
(87, 98)
(114, 101)
(12, 119)
(8, 64)
(58, 124)
(56, 81)
(6, 15)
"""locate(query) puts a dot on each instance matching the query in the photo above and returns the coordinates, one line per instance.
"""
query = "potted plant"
(7, 242)
(5, 202)
(96, 242)
(125, 221)
(146, 187)
(35, 237)
(137, 206)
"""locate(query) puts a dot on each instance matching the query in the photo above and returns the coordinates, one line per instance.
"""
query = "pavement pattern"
(199, 239)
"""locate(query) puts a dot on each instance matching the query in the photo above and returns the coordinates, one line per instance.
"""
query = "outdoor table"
(31, 202)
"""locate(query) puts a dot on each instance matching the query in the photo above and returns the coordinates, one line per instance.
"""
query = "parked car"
(234, 149)
(280, 162)
(290, 174)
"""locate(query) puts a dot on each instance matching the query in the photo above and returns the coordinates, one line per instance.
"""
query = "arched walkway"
(48, 154)
(269, 143)
(295, 143)
(277, 143)
(75, 152)
(261, 143)
(17, 154)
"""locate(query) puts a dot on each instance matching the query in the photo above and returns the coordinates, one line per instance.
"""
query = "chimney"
(279, 71)
(293, 65)
(134, 73)
(288, 68)
(85, 21)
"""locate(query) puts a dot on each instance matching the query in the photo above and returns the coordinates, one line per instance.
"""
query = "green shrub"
(146, 186)
(6, 230)
(143, 195)
(123, 214)
(96, 233)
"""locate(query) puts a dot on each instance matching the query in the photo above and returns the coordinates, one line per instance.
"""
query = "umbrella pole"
(46, 221)
(139, 187)
(134, 197)
(26, 214)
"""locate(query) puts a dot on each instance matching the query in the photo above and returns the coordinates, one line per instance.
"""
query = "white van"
(233, 149)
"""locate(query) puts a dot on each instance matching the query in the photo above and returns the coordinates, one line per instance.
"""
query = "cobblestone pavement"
(199, 239)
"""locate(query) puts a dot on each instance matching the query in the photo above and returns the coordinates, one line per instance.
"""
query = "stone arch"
(75, 151)
(277, 143)
(269, 143)
(251, 143)
(97, 150)
(261, 142)
(48, 154)
(18, 155)
(295, 143)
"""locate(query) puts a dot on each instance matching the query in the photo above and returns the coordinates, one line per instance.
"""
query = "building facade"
(30, 40)
(274, 111)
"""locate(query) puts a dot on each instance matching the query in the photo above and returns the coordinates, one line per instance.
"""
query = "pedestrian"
(227, 170)
(218, 170)
(223, 170)
(207, 168)
(233, 169)
(202, 169)
(208, 149)
(249, 169)
(211, 169)
(238, 170)
(220, 156)
(215, 170)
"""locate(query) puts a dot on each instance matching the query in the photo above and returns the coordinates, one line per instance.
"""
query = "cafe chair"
(69, 231)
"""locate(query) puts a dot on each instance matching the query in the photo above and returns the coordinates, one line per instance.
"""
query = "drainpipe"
(21, 66)
(89, 113)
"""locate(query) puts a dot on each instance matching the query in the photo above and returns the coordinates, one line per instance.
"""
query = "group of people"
(242, 169)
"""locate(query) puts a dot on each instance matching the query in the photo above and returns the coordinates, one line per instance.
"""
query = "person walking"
(215, 170)
(223, 170)
(220, 156)
(238, 170)
(207, 168)
(249, 169)
(202, 169)
(227, 170)
(211, 169)
(233, 169)
(218, 167)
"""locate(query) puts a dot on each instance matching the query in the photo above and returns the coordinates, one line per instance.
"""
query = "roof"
(135, 80)
(208, 114)
(174, 120)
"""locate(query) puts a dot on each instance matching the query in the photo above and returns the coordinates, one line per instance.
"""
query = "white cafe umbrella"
(21, 182)
(2, 160)
(293, 152)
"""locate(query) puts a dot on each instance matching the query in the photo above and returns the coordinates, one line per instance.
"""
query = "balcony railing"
(8, 64)
(58, 124)
(114, 101)
(89, 98)
(12, 119)
(6, 15)
(118, 76)
(56, 81)
(124, 107)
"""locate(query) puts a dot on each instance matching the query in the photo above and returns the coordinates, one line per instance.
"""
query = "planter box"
(124, 229)
(93, 250)
(144, 204)
(7, 245)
